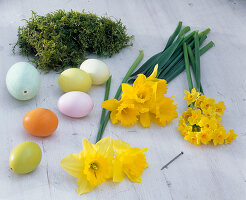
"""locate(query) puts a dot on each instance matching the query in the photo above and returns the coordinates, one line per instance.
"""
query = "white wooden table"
(203, 172)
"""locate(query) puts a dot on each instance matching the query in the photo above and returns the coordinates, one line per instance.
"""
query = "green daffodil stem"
(187, 67)
(197, 61)
(129, 73)
(108, 83)
(104, 123)
(193, 66)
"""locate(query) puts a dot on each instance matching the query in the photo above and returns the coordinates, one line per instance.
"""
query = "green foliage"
(171, 60)
(61, 39)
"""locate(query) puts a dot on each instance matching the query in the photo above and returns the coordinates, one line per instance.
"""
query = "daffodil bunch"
(201, 122)
(144, 101)
(107, 159)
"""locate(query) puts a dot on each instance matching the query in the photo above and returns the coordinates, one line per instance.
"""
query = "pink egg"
(75, 104)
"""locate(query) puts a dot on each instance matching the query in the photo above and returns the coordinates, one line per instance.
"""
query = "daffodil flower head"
(220, 108)
(164, 111)
(192, 138)
(139, 94)
(209, 123)
(129, 161)
(195, 116)
(127, 113)
(204, 136)
(208, 104)
(192, 96)
(231, 135)
(186, 114)
(199, 101)
(219, 136)
(92, 166)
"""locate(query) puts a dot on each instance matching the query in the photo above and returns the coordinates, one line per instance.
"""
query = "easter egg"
(23, 81)
(74, 79)
(25, 157)
(40, 122)
(97, 69)
(75, 104)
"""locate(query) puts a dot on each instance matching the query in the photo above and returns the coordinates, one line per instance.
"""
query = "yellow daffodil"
(192, 138)
(219, 136)
(124, 111)
(107, 159)
(182, 124)
(127, 113)
(220, 108)
(164, 111)
(201, 122)
(207, 123)
(195, 117)
(159, 85)
(139, 94)
(192, 96)
(186, 114)
(204, 136)
(231, 135)
(92, 166)
(144, 119)
(208, 104)
(144, 102)
(129, 161)
(199, 101)
(183, 127)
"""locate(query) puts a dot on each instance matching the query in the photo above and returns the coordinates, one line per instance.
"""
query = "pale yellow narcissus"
(108, 158)
(92, 166)
(129, 161)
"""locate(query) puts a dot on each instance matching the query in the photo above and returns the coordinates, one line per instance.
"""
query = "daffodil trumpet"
(201, 122)
(108, 159)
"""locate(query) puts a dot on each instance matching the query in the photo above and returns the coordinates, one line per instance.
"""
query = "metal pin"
(165, 166)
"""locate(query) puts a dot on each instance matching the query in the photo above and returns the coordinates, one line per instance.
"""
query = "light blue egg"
(23, 81)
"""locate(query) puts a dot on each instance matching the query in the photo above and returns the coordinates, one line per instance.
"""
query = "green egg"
(23, 81)
(25, 157)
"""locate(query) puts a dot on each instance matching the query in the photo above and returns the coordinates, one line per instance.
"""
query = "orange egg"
(40, 122)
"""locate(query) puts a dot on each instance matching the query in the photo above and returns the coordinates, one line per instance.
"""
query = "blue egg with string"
(23, 81)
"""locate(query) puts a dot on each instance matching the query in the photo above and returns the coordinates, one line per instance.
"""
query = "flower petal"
(154, 73)
(105, 147)
(145, 119)
(110, 104)
(88, 148)
(83, 185)
(113, 117)
(140, 80)
(73, 164)
(127, 92)
(120, 145)
(118, 174)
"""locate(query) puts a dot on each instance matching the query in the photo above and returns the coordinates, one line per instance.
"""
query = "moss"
(62, 39)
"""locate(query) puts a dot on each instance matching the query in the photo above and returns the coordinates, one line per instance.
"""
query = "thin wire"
(166, 165)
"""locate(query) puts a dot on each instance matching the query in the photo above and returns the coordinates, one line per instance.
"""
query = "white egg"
(97, 69)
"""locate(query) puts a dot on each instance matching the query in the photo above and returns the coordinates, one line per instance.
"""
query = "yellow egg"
(25, 157)
(74, 79)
